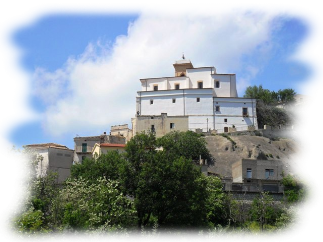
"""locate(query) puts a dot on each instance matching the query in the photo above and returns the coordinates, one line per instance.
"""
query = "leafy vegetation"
(154, 185)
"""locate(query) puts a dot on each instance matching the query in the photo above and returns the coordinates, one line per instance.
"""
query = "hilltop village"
(198, 99)
(199, 163)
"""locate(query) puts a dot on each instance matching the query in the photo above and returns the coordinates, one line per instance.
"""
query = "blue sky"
(84, 70)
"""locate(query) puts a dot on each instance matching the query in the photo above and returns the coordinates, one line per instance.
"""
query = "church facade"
(197, 99)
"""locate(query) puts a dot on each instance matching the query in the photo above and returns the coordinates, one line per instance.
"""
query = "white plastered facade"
(209, 99)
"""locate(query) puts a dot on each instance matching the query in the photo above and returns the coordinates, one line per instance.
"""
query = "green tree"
(106, 165)
(286, 95)
(293, 189)
(319, 100)
(217, 203)
(260, 93)
(263, 210)
(93, 205)
(165, 184)
(28, 227)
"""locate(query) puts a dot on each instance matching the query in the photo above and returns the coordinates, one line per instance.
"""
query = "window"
(245, 112)
(174, 100)
(217, 84)
(172, 125)
(217, 108)
(59, 154)
(177, 86)
(151, 117)
(84, 147)
(225, 120)
(249, 173)
(269, 173)
(198, 99)
(151, 101)
(199, 85)
(226, 129)
(152, 128)
(155, 87)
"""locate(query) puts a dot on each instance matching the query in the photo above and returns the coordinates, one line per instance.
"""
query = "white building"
(52, 157)
(207, 98)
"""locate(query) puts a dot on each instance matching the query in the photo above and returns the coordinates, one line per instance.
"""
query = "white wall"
(44, 163)
(231, 109)
(163, 102)
(200, 74)
(227, 85)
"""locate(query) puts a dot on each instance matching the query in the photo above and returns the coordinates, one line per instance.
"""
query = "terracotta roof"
(46, 145)
(112, 145)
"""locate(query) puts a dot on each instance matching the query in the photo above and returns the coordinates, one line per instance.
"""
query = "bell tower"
(181, 66)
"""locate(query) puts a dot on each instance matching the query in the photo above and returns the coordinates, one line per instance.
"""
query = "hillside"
(300, 149)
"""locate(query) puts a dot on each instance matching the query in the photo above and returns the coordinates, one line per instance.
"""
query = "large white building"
(206, 98)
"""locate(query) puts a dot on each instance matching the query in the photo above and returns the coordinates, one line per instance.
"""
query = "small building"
(160, 124)
(104, 148)
(256, 176)
(84, 145)
(121, 130)
(53, 157)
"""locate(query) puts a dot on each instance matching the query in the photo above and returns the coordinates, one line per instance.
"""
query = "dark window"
(172, 125)
(217, 108)
(177, 86)
(198, 99)
(151, 101)
(84, 147)
(217, 84)
(225, 120)
(269, 173)
(249, 173)
(152, 128)
(200, 85)
(151, 117)
(174, 100)
(156, 88)
(244, 112)
(226, 129)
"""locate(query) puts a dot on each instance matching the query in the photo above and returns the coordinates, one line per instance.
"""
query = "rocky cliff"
(300, 149)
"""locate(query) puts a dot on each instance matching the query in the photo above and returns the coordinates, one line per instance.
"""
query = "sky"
(71, 68)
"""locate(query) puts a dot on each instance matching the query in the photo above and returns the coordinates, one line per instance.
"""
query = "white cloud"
(297, 56)
(98, 88)
(305, 8)
(4, 144)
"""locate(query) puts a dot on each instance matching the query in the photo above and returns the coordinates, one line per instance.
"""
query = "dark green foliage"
(319, 100)
(270, 97)
(106, 165)
(185, 144)
(166, 184)
(279, 111)
(265, 95)
(293, 189)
